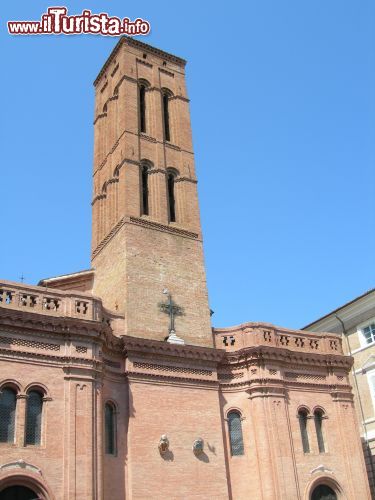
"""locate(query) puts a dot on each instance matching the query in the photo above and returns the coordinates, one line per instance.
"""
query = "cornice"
(91, 363)
(162, 348)
(57, 324)
(55, 327)
(152, 377)
(288, 357)
(142, 46)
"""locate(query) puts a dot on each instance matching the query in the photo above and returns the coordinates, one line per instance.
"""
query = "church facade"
(113, 385)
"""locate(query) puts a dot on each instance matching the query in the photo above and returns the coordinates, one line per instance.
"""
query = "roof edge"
(339, 308)
(140, 45)
(64, 276)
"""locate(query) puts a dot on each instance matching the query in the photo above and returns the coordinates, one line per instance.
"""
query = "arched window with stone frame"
(8, 405)
(303, 415)
(234, 420)
(319, 416)
(34, 416)
(110, 428)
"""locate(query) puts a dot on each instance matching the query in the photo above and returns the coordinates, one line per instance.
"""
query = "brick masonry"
(97, 338)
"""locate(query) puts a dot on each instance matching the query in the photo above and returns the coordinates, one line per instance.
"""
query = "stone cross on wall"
(173, 310)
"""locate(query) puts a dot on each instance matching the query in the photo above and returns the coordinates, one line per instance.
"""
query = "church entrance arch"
(323, 492)
(18, 492)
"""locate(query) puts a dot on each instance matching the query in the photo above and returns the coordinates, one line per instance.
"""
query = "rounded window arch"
(142, 105)
(8, 403)
(110, 428)
(235, 432)
(303, 415)
(319, 416)
(34, 415)
(166, 94)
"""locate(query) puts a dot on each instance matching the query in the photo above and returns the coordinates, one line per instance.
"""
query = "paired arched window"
(165, 105)
(34, 410)
(171, 176)
(110, 428)
(302, 417)
(144, 190)
(318, 419)
(7, 414)
(235, 433)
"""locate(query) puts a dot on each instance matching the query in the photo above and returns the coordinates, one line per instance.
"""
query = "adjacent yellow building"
(355, 320)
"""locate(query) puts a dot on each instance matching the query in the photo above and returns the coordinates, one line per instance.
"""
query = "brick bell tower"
(146, 232)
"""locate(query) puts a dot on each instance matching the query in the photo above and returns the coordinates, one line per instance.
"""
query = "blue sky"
(282, 103)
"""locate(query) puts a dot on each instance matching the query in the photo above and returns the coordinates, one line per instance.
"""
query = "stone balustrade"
(263, 334)
(37, 299)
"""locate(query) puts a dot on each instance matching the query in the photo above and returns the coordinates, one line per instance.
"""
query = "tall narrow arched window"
(110, 429)
(142, 107)
(167, 135)
(302, 417)
(7, 415)
(34, 409)
(144, 190)
(318, 419)
(171, 197)
(235, 433)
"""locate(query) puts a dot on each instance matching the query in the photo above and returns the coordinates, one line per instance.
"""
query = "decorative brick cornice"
(144, 223)
(169, 378)
(142, 46)
(289, 358)
(108, 237)
(163, 227)
(173, 369)
(162, 348)
(55, 325)
(147, 137)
